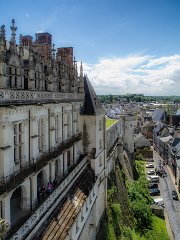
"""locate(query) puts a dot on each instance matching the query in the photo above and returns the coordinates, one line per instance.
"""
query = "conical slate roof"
(92, 105)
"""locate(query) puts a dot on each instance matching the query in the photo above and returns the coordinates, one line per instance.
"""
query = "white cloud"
(136, 74)
(27, 15)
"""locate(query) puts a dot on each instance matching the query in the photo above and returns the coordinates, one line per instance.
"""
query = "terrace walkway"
(65, 214)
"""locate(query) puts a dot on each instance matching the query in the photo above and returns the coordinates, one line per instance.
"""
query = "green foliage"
(126, 234)
(111, 193)
(145, 225)
(111, 231)
(116, 210)
(142, 214)
(138, 191)
(140, 167)
(137, 98)
(140, 199)
(139, 156)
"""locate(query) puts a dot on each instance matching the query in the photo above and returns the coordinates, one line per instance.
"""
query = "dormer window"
(13, 77)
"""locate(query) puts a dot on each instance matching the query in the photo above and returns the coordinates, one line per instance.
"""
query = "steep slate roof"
(158, 115)
(141, 141)
(158, 127)
(92, 105)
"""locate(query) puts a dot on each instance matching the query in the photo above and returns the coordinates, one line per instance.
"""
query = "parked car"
(174, 195)
(154, 192)
(151, 172)
(153, 179)
(158, 202)
(152, 185)
(149, 165)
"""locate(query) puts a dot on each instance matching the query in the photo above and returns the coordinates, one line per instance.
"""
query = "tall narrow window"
(41, 134)
(56, 128)
(77, 121)
(13, 76)
(68, 124)
(18, 143)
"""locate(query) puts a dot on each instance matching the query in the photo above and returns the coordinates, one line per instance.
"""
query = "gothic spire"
(13, 34)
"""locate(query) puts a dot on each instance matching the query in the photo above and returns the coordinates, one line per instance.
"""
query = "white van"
(158, 202)
(153, 178)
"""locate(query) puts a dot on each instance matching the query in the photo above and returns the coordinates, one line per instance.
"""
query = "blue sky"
(127, 46)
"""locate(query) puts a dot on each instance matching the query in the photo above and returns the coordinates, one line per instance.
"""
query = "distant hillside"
(137, 98)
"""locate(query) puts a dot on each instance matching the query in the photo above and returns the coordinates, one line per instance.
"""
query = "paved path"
(172, 207)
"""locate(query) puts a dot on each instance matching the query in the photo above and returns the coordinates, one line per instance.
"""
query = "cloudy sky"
(126, 46)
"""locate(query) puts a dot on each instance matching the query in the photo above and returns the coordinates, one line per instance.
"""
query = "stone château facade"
(52, 132)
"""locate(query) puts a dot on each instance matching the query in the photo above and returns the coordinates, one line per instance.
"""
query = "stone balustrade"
(10, 96)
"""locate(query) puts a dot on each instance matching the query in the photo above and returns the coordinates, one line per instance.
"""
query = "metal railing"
(36, 214)
(9, 182)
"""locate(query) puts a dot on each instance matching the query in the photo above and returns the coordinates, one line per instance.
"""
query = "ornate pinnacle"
(13, 34)
(2, 32)
(81, 70)
(53, 52)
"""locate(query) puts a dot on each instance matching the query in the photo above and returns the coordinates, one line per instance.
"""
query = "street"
(172, 206)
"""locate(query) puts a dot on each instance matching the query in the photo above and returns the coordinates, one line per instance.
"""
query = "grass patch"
(110, 122)
(157, 232)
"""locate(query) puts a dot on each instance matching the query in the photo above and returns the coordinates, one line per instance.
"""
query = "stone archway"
(40, 179)
(17, 209)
